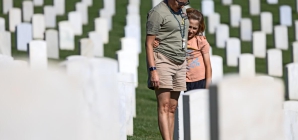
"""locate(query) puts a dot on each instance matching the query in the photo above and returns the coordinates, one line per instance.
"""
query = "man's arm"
(150, 60)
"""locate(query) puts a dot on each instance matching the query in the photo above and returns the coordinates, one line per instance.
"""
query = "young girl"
(199, 73)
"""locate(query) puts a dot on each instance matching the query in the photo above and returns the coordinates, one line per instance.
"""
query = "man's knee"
(164, 107)
(172, 108)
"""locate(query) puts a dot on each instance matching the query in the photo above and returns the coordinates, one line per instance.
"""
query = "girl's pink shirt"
(196, 47)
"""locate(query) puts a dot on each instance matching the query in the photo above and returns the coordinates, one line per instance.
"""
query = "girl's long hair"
(196, 15)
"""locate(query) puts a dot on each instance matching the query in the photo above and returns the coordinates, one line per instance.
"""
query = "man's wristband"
(152, 68)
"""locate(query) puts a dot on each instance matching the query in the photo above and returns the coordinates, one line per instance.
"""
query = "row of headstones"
(246, 63)
(285, 13)
(246, 32)
(230, 110)
(59, 6)
(93, 92)
(229, 2)
(128, 55)
(64, 40)
(67, 30)
(254, 8)
(274, 56)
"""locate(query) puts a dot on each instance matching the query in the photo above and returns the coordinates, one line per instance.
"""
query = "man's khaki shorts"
(171, 76)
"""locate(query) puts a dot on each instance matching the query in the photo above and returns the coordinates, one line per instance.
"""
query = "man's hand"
(154, 79)
(156, 43)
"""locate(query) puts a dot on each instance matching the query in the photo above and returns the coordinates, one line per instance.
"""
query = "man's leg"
(163, 97)
(172, 110)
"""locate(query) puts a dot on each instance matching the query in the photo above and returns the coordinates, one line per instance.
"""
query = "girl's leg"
(163, 97)
(173, 107)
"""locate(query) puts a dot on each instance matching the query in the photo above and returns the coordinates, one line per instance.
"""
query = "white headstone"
(246, 29)
(136, 2)
(38, 24)
(274, 62)
(254, 7)
(20, 64)
(155, 2)
(14, 18)
(2, 24)
(38, 54)
(66, 36)
(259, 44)
(38, 2)
(104, 13)
(265, 77)
(78, 66)
(24, 36)
(98, 44)
(247, 65)
(75, 19)
(50, 16)
(88, 2)
(5, 61)
(7, 5)
(83, 9)
(272, 1)
(233, 51)
(295, 52)
(213, 22)
(266, 22)
(127, 63)
(207, 7)
(28, 11)
(296, 30)
(285, 15)
(5, 43)
(61, 105)
(130, 44)
(60, 7)
(133, 9)
(217, 68)
(110, 6)
(51, 38)
(243, 116)
(281, 37)
(109, 128)
(235, 15)
(291, 116)
(127, 91)
(292, 81)
(133, 20)
(222, 35)
(226, 2)
(101, 27)
(86, 47)
(196, 114)
(133, 31)
(178, 124)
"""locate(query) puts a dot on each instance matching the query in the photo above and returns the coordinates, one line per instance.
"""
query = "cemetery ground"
(145, 124)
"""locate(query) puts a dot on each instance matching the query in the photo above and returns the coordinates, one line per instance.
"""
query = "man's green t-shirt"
(162, 23)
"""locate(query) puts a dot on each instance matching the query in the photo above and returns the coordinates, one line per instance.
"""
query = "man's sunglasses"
(183, 3)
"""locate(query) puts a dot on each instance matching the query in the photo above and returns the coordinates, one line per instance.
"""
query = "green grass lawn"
(145, 125)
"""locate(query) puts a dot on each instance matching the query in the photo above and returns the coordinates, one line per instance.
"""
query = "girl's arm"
(208, 69)
(150, 60)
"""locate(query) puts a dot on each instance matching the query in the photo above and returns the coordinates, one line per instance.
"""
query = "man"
(167, 22)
